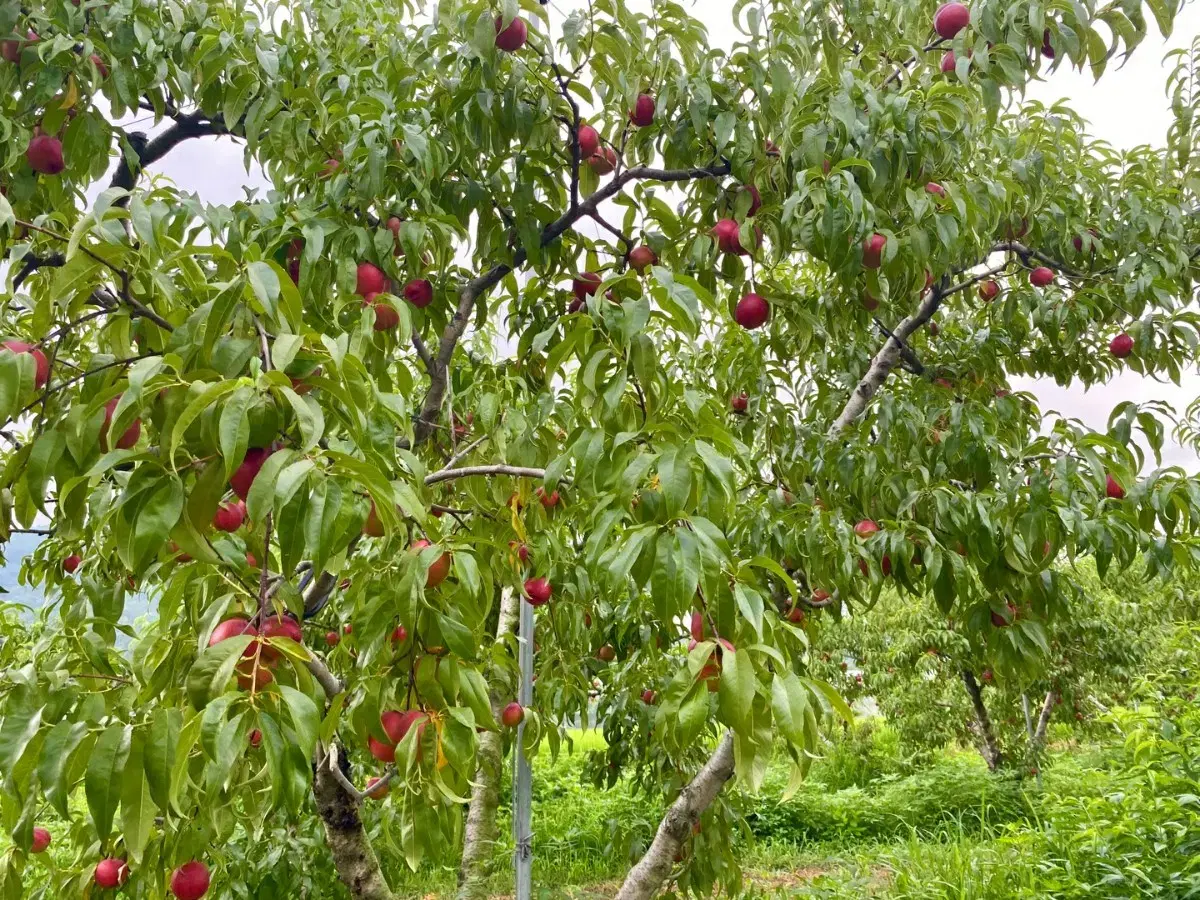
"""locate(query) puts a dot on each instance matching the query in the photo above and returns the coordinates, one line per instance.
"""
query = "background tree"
(912, 662)
(266, 415)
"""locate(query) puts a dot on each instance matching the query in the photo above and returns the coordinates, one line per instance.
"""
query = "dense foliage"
(338, 430)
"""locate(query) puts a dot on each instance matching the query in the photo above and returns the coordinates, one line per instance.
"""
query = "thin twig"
(264, 345)
(464, 452)
(70, 381)
(264, 569)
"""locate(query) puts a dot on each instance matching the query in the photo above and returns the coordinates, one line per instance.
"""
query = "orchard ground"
(950, 821)
(879, 816)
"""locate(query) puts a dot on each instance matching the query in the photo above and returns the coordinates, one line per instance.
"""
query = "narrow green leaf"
(158, 752)
(304, 716)
(57, 748)
(102, 781)
(137, 808)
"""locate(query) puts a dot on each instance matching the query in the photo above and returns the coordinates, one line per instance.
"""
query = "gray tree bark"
(989, 748)
(647, 877)
(355, 860)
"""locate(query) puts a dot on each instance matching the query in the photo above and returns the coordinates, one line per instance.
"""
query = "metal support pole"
(523, 774)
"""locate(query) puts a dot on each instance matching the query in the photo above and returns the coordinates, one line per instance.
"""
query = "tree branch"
(989, 749)
(70, 381)
(455, 328)
(186, 126)
(1039, 734)
(885, 360)
(645, 879)
(462, 454)
(479, 832)
(329, 682)
(914, 364)
(357, 865)
(468, 471)
(32, 262)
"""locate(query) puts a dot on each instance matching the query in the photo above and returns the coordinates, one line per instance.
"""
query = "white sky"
(1127, 108)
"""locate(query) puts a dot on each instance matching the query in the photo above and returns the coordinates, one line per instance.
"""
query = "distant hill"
(15, 551)
(19, 547)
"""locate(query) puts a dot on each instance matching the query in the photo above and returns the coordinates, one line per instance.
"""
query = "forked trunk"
(646, 878)
(355, 860)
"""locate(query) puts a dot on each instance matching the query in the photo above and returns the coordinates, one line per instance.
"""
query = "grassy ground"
(824, 842)
(945, 831)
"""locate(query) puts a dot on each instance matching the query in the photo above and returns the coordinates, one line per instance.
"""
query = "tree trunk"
(479, 835)
(645, 879)
(988, 747)
(355, 860)
(1039, 734)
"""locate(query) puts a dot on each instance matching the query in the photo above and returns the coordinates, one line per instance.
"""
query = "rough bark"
(645, 879)
(480, 832)
(355, 860)
(989, 748)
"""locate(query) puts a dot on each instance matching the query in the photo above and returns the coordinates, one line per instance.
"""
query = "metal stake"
(523, 774)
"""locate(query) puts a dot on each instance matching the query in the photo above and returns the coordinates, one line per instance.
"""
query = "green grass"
(949, 831)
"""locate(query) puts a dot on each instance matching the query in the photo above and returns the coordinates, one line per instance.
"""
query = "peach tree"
(686, 345)
(936, 683)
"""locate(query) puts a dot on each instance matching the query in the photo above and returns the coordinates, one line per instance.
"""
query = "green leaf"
(721, 468)
(195, 407)
(102, 781)
(234, 428)
(210, 673)
(750, 604)
(459, 638)
(765, 562)
(788, 702)
(61, 741)
(475, 692)
(137, 808)
(158, 754)
(305, 718)
(261, 499)
(735, 695)
(16, 731)
(832, 698)
(265, 283)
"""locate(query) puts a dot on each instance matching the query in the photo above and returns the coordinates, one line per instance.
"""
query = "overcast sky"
(1127, 108)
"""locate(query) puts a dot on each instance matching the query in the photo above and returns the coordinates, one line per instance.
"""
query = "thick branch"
(357, 866)
(473, 290)
(909, 358)
(885, 360)
(989, 748)
(645, 879)
(31, 262)
(329, 682)
(467, 471)
(149, 152)
(1039, 734)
